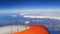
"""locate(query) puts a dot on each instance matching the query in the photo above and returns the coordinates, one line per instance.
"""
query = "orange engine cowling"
(34, 29)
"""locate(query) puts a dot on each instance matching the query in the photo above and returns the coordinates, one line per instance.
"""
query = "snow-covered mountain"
(49, 21)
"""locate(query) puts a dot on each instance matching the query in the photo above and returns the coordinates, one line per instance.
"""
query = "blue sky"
(29, 4)
(15, 6)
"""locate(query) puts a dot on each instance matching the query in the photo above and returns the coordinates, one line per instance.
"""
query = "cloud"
(9, 11)
(14, 15)
(41, 13)
(45, 12)
(51, 12)
(50, 17)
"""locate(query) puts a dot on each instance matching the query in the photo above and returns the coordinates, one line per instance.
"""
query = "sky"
(30, 7)
(29, 4)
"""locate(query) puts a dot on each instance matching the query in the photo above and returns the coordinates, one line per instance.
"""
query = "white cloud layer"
(45, 12)
(54, 12)
(51, 17)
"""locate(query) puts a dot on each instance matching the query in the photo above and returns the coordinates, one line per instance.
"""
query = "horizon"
(30, 7)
